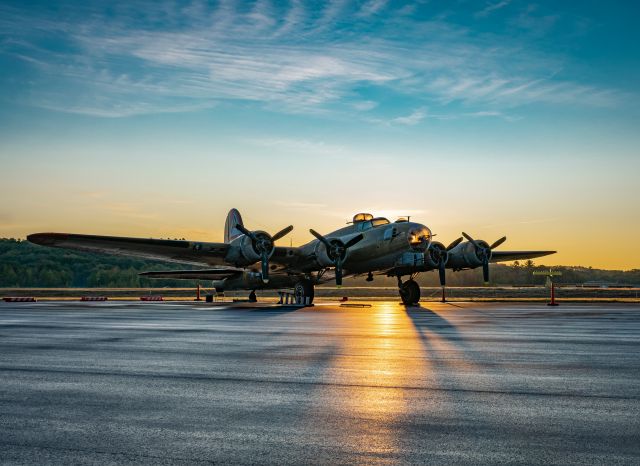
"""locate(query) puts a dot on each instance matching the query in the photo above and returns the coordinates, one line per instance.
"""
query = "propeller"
(454, 244)
(337, 251)
(441, 258)
(484, 253)
(263, 245)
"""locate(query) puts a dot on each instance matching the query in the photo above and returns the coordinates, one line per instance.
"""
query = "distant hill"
(23, 264)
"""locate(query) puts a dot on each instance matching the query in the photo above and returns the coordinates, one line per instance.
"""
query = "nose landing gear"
(409, 292)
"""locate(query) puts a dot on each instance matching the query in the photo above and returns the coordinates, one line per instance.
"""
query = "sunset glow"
(154, 119)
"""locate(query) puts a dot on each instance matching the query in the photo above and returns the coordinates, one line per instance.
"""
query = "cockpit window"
(362, 217)
(363, 226)
(376, 222)
(368, 224)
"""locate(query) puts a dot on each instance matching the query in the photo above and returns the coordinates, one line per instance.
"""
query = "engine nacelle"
(436, 253)
(242, 250)
(465, 255)
(322, 256)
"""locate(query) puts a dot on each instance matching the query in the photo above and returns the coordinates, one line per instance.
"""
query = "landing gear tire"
(252, 297)
(410, 293)
(304, 292)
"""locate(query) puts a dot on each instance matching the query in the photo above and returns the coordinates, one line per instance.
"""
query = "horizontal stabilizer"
(203, 274)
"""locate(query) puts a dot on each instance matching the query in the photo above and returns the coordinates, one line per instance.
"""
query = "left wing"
(204, 274)
(186, 252)
(506, 256)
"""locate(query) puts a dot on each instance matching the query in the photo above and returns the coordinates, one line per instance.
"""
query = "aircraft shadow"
(425, 320)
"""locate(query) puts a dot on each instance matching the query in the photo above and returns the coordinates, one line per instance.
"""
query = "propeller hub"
(438, 254)
(263, 243)
(263, 246)
(337, 250)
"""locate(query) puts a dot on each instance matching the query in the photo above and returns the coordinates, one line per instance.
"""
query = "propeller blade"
(320, 238)
(282, 233)
(455, 243)
(442, 271)
(471, 240)
(338, 272)
(498, 243)
(485, 271)
(354, 240)
(245, 231)
(265, 267)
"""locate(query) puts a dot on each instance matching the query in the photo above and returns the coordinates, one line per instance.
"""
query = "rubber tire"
(304, 289)
(410, 293)
(252, 297)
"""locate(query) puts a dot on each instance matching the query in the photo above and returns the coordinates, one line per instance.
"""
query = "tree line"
(23, 264)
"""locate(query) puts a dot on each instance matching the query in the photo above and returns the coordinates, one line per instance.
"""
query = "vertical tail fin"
(230, 231)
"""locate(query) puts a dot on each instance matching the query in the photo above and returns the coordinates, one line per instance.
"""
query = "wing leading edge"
(186, 252)
(204, 274)
(506, 256)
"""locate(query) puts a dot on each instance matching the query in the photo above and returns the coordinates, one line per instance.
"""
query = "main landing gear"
(409, 292)
(252, 296)
(304, 291)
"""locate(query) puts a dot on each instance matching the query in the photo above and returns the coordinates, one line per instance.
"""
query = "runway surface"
(462, 383)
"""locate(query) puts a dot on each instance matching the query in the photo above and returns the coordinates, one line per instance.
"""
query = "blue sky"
(494, 116)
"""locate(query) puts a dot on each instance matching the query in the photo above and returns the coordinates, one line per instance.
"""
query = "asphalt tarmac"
(463, 383)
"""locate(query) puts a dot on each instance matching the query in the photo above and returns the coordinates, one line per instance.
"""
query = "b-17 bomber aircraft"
(250, 260)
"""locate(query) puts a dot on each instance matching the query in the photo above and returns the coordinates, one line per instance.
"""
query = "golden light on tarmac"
(377, 370)
(385, 360)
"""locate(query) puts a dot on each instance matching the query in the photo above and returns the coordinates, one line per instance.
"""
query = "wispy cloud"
(302, 146)
(365, 105)
(291, 57)
(299, 205)
(129, 210)
(493, 7)
(412, 119)
(372, 7)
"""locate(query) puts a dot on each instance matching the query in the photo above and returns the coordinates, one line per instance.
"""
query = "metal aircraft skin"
(250, 260)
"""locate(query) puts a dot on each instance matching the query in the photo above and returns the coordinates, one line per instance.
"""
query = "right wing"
(186, 252)
(204, 274)
(506, 256)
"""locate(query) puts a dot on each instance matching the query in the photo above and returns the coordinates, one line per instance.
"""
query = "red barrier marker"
(550, 275)
(94, 298)
(14, 299)
(150, 298)
(553, 295)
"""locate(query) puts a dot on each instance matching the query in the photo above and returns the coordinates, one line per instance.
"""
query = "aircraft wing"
(186, 252)
(506, 256)
(204, 274)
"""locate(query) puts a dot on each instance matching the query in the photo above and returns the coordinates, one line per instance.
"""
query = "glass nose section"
(419, 237)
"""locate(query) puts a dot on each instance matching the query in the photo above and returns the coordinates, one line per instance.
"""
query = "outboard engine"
(245, 251)
(466, 255)
(474, 254)
(248, 247)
